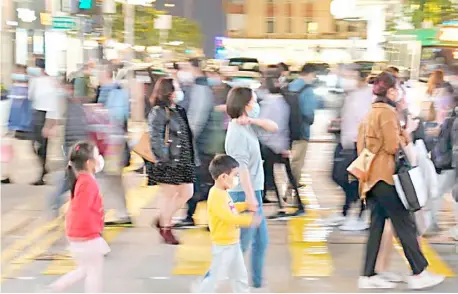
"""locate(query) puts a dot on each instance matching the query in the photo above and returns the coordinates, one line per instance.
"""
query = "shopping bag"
(411, 188)
(423, 220)
(360, 167)
(143, 148)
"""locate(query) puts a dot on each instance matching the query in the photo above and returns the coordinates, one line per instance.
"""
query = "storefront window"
(270, 25)
(312, 27)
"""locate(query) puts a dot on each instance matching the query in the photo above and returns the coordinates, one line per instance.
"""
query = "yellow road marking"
(38, 248)
(193, 255)
(136, 200)
(307, 239)
(20, 245)
(436, 264)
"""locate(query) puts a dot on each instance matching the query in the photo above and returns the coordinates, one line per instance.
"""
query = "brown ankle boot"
(168, 236)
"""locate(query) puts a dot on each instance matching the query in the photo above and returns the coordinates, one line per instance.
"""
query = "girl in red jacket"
(84, 220)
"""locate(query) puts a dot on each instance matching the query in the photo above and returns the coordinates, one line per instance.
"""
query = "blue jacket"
(116, 100)
(21, 109)
(308, 104)
(201, 104)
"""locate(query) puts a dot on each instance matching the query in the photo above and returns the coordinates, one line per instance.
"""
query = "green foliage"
(435, 11)
(183, 29)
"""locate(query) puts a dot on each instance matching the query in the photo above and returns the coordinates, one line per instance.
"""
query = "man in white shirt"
(43, 91)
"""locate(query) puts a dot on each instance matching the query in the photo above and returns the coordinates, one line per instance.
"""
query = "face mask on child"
(100, 162)
(235, 182)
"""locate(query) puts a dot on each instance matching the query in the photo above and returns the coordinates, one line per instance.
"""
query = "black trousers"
(342, 160)
(202, 185)
(385, 204)
(270, 158)
(40, 143)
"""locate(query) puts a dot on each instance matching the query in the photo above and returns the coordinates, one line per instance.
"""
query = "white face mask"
(179, 96)
(100, 161)
(100, 164)
(349, 84)
(235, 182)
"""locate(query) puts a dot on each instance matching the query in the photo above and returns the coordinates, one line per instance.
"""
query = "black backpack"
(442, 152)
(296, 119)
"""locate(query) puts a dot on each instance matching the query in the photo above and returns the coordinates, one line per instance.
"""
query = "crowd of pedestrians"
(216, 142)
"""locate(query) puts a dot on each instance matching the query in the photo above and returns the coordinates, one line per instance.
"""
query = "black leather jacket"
(157, 122)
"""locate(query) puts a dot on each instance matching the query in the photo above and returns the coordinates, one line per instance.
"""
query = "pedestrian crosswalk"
(306, 241)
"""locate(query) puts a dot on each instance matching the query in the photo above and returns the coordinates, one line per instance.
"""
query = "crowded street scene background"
(229, 145)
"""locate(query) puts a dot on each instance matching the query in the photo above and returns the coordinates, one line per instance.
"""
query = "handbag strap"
(167, 127)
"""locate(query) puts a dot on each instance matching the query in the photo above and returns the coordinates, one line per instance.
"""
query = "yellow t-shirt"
(223, 217)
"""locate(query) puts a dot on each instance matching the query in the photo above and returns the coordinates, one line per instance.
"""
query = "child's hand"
(256, 220)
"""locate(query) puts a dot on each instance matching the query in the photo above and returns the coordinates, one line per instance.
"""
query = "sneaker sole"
(429, 286)
(353, 229)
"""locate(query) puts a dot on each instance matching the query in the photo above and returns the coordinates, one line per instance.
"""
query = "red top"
(85, 217)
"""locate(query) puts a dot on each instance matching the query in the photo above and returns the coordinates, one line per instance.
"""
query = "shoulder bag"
(143, 147)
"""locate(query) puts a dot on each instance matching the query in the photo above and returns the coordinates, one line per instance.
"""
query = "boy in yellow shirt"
(224, 223)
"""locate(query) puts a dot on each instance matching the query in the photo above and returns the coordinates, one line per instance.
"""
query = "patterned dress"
(181, 171)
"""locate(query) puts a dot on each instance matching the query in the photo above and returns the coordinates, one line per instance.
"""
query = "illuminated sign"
(448, 34)
(26, 15)
(46, 19)
(85, 4)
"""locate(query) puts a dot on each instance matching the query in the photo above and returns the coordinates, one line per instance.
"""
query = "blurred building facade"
(209, 14)
(288, 19)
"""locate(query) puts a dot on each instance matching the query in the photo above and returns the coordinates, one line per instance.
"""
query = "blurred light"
(85, 4)
(12, 23)
(188, 51)
(26, 15)
(321, 91)
(448, 34)
(175, 43)
(455, 54)
(169, 5)
(139, 48)
(342, 8)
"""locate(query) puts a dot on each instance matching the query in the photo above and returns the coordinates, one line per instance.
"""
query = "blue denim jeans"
(56, 199)
(258, 237)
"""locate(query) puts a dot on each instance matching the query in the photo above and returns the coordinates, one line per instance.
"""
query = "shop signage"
(46, 19)
(448, 34)
(63, 23)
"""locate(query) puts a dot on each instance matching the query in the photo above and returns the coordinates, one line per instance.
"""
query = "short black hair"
(308, 68)
(196, 62)
(40, 62)
(237, 99)
(283, 66)
(222, 164)
(272, 86)
(392, 69)
(21, 67)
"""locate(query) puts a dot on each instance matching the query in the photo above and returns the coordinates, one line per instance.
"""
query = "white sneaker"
(334, 220)
(354, 224)
(454, 233)
(424, 280)
(195, 286)
(374, 282)
(392, 277)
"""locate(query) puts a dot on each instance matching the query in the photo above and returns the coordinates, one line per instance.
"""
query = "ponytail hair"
(71, 178)
(80, 153)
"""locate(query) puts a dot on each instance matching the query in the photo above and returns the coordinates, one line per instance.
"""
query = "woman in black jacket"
(171, 143)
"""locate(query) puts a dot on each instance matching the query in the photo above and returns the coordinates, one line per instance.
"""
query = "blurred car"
(245, 64)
